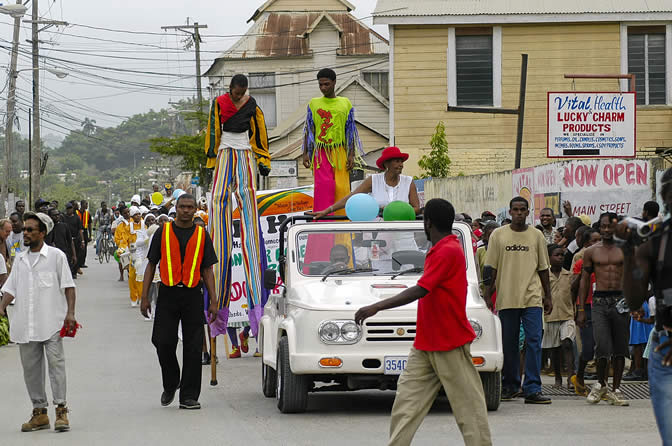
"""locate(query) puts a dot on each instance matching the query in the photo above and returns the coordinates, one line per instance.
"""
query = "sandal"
(578, 388)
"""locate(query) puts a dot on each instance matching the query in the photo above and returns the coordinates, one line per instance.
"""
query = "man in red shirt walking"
(441, 353)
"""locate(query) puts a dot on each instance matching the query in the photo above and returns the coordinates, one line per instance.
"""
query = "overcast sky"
(109, 95)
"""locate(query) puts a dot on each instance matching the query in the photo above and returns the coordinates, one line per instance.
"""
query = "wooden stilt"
(213, 361)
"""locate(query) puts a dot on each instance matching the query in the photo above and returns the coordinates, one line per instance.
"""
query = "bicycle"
(105, 247)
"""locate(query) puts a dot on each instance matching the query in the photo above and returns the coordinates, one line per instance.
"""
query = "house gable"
(302, 6)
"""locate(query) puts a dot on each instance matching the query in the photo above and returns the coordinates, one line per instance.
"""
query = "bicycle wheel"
(108, 249)
(101, 250)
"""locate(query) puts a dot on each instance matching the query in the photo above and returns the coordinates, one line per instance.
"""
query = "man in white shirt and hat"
(42, 288)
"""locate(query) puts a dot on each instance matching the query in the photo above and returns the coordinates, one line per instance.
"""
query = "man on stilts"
(236, 146)
(330, 145)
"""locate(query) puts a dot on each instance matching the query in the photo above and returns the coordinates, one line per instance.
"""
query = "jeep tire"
(492, 387)
(291, 389)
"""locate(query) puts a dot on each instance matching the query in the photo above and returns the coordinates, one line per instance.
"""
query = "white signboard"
(591, 125)
(284, 168)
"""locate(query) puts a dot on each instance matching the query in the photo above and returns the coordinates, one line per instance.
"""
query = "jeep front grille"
(389, 331)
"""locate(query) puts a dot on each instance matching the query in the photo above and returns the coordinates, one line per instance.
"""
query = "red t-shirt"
(442, 323)
(577, 270)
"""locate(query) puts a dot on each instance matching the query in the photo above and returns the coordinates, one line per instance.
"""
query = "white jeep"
(308, 338)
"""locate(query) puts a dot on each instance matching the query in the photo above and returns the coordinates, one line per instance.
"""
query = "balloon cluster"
(363, 207)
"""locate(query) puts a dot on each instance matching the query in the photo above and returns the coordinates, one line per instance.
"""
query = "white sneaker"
(596, 393)
(617, 398)
(134, 304)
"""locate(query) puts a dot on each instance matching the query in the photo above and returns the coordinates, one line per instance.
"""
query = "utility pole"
(36, 156)
(35, 165)
(9, 126)
(196, 37)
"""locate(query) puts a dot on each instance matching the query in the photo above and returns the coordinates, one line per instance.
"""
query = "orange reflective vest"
(85, 216)
(175, 270)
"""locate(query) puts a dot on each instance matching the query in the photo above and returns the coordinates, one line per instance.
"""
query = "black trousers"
(81, 252)
(177, 304)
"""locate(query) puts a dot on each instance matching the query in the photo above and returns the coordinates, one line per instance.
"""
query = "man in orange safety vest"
(185, 255)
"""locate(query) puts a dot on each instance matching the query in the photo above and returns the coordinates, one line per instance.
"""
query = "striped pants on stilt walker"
(235, 177)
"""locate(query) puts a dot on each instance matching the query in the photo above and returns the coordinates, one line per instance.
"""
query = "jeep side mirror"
(270, 279)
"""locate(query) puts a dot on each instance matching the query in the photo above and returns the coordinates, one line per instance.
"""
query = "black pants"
(81, 252)
(177, 304)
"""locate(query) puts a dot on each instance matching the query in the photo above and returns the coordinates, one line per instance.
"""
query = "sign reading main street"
(591, 125)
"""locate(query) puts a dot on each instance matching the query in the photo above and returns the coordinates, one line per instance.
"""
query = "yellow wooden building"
(468, 53)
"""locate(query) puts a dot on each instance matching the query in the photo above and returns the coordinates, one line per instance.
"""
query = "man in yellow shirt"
(517, 264)
(125, 237)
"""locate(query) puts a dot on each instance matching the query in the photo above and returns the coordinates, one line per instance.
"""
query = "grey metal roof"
(406, 8)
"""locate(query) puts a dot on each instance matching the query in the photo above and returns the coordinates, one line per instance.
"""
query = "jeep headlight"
(350, 331)
(478, 329)
(329, 332)
(340, 332)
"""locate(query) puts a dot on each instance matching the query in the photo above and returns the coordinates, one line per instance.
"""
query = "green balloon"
(398, 211)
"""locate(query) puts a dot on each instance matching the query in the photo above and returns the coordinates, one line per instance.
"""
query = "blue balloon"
(361, 207)
(177, 193)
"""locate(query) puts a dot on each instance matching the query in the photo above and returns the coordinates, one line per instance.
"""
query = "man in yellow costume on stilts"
(330, 146)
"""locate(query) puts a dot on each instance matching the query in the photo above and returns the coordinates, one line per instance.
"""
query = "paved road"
(114, 387)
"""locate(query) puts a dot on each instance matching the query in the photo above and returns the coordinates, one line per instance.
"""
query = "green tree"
(88, 126)
(189, 147)
(436, 164)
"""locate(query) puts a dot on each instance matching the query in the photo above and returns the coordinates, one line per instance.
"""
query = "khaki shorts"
(555, 332)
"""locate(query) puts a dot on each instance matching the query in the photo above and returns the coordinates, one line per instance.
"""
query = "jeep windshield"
(357, 252)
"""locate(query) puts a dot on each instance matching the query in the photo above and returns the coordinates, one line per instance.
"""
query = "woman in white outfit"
(385, 187)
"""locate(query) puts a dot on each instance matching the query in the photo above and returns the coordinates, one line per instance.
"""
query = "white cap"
(172, 210)
(144, 210)
(136, 199)
(134, 210)
(44, 218)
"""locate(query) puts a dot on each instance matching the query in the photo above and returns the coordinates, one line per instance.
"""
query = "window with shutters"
(262, 87)
(646, 60)
(475, 66)
(379, 80)
(473, 63)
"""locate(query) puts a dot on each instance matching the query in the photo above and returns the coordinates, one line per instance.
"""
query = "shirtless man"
(611, 326)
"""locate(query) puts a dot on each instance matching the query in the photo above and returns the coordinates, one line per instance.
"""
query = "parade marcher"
(85, 216)
(560, 328)
(125, 237)
(236, 146)
(651, 262)
(118, 219)
(20, 207)
(42, 287)
(611, 326)
(441, 352)
(385, 187)
(5, 231)
(185, 254)
(547, 224)
(102, 222)
(517, 262)
(481, 252)
(61, 238)
(41, 205)
(569, 235)
(76, 230)
(587, 339)
(650, 211)
(15, 240)
(330, 143)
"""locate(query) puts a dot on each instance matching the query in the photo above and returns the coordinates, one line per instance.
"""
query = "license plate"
(394, 365)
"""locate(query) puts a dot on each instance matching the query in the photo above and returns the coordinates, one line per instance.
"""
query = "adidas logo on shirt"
(521, 248)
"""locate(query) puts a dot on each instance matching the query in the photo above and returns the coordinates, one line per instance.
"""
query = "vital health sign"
(591, 125)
